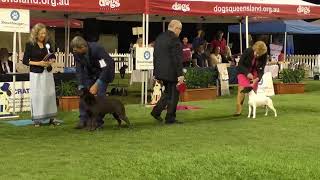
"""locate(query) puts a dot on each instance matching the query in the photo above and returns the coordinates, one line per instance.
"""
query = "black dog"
(98, 106)
(123, 71)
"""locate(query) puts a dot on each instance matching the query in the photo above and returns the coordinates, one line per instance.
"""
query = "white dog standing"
(257, 100)
(157, 91)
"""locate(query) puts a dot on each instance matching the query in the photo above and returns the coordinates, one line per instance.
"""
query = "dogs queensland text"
(98, 106)
(256, 100)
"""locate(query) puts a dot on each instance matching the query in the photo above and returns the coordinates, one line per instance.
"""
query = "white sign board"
(22, 99)
(144, 58)
(265, 85)
(137, 30)
(224, 78)
(15, 20)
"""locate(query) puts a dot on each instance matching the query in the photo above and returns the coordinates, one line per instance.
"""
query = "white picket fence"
(120, 60)
(61, 62)
(313, 61)
(61, 58)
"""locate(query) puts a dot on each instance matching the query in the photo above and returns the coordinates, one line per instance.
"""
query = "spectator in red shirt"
(219, 41)
(281, 56)
(187, 52)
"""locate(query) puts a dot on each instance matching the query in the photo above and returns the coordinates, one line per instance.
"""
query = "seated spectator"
(187, 52)
(199, 58)
(215, 57)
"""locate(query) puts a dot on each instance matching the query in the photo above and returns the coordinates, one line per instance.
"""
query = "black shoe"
(174, 122)
(80, 125)
(158, 118)
(247, 90)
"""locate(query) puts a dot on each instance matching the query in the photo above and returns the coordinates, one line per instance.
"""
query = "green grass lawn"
(211, 144)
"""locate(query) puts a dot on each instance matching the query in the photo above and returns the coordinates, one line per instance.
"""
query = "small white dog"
(257, 100)
(157, 91)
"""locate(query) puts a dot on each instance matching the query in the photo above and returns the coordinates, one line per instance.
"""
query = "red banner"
(207, 8)
(169, 7)
(104, 6)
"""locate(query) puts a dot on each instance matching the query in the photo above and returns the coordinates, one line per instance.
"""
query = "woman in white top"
(215, 57)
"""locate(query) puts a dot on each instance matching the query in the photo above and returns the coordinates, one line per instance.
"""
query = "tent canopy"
(56, 22)
(265, 8)
(280, 26)
(288, 9)
(68, 6)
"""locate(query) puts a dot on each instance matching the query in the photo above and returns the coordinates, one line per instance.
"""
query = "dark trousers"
(102, 90)
(186, 64)
(169, 100)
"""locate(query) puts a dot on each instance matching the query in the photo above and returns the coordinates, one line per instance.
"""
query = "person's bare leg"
(240, 100)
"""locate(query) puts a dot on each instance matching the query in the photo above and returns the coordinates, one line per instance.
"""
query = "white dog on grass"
(257, 100)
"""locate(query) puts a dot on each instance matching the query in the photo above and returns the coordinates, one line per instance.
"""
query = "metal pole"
(19, 43)
(65, 38)
(146, 87)
(144, 42)
(68, 42)
(143, 29)
(247, 32)
(163, 26)
(147, 30)
(142, 87)
(240, 37)
(146, 72)
(285, 46)
(14, 60)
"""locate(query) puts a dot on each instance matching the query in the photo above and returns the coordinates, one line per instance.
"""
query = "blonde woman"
(215, 57)
(250, 71)
(43, 95)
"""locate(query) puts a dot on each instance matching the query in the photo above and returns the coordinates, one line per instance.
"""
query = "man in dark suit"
(95, 69)
(168, 61)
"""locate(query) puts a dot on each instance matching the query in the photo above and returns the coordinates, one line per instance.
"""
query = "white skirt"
(43, 96)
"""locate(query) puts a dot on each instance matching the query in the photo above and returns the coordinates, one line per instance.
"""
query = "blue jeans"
(102, 90)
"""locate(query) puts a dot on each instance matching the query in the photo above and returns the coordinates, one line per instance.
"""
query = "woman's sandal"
(237, 114)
